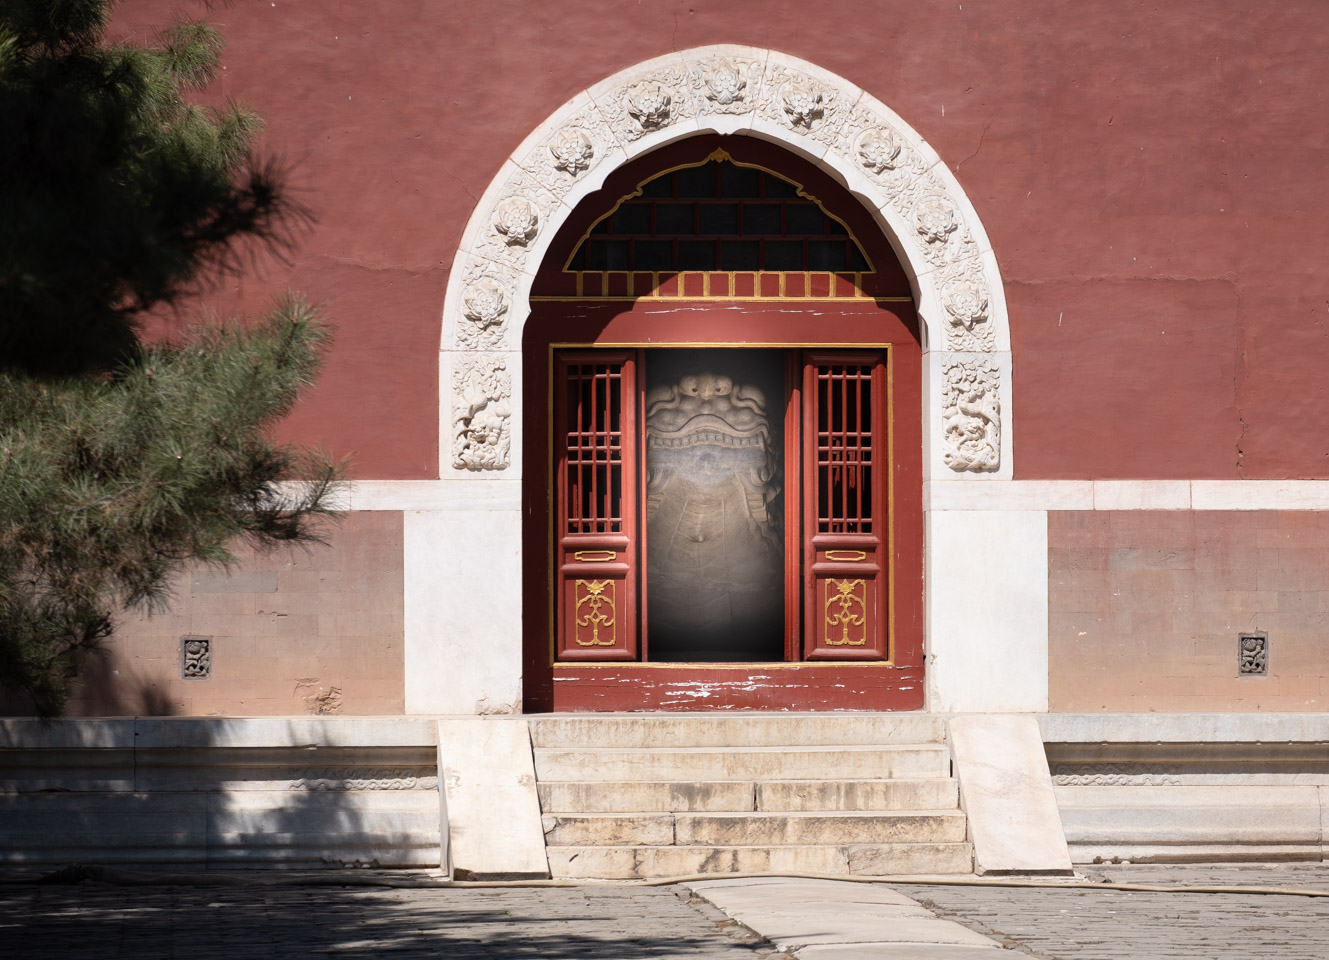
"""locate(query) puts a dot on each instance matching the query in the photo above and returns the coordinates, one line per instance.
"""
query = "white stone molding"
(816, 115)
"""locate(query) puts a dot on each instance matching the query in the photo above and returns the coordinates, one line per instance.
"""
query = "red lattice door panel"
(846, 515)
(595, 466)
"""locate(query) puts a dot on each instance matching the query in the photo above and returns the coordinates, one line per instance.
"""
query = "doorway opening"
(725, 360)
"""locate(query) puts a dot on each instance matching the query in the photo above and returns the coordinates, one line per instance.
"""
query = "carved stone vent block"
(1253, 654)
(195, 657)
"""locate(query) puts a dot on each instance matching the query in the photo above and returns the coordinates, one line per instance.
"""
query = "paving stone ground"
(257, 921)
(1111, 925)
(610, 922)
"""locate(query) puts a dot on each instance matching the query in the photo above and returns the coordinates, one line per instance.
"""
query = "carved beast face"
(706, 426)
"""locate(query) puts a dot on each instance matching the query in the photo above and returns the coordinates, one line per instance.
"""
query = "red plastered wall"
(1150, 178)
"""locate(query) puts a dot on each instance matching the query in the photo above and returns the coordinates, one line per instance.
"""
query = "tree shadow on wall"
(105, 689)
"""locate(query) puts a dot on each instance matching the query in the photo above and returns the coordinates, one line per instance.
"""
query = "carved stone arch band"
(727, 89)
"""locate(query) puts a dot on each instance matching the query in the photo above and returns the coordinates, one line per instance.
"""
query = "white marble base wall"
(463, 588)
(986, 636)
(201, 792)
(1170, 788)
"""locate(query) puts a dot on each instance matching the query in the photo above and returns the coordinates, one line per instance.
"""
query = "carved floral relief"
(572, 150)
(804, 103)
(517, 220)
(878, 149)
(485, 306)
(726, 86)
(724, 83)
(649, 104)
(934, 219)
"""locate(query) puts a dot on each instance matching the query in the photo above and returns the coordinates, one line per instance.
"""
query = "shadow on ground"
(258, 920)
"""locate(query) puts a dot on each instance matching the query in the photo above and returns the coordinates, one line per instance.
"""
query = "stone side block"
(909, 859)
(987, 611)
(792, 795)
(230, 769)
(488, 778)
(387, 828)
(812, 828)
(66, 770)
(648, 797)
(1195, 853)
(609, 830)
(1183, 816)
(1006, 790)
(103, 827)
(299, 732)
(463, 618)
(1185, 728)
(1142, 495)
(28, 733)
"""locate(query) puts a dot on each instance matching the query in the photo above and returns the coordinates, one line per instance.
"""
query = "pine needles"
(120, 461)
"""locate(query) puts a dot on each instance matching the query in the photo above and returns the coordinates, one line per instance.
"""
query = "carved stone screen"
(714, 504)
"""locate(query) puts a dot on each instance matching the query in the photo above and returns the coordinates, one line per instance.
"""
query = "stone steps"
(751, 829)
(742, 763)
(863, 859)
(736, 730)
(683, 796)
(669, 795)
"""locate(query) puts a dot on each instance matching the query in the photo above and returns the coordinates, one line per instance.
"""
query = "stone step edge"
(750, 748)
(607, 862)
(866, 781)
(948, 812)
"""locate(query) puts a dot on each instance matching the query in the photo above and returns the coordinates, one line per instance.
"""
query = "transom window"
(722, 216)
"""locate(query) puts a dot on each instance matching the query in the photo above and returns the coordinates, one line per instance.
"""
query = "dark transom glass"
(719, 216)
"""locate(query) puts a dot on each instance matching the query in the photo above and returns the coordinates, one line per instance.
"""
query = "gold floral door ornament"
(846, 613)
(596, 610)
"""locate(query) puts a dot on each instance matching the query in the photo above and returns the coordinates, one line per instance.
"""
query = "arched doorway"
(722, 502)
(469, 638)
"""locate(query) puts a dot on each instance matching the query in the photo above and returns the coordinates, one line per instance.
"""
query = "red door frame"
(808, 312)
(893, 684)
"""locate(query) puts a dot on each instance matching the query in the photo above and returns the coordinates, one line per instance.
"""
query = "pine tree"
(121, 459)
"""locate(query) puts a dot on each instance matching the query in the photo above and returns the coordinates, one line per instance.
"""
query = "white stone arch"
(986, 572)
(730, 89)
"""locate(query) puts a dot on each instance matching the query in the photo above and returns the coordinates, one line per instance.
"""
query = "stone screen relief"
(714, 505)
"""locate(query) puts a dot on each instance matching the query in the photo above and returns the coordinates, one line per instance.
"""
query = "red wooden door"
(846, 549)
(597, 529)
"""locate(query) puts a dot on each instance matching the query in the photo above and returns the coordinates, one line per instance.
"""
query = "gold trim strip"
(846, 556)
(594, 556)
(751, 667)
(683, 299)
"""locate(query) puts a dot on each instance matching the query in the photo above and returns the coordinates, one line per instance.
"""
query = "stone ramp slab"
(842, 920)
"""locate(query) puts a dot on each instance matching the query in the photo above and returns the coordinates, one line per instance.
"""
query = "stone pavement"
(810, 919)
(603, 922)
